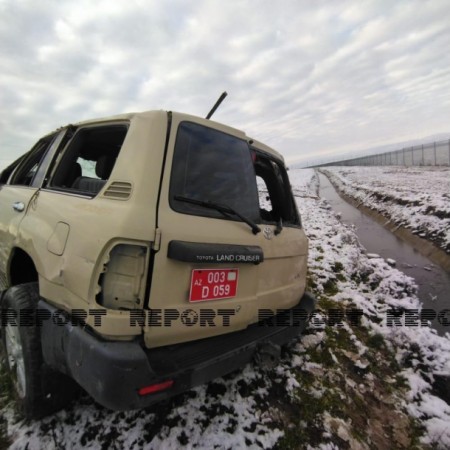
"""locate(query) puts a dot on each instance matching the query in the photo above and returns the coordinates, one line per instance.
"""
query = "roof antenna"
(213, 110)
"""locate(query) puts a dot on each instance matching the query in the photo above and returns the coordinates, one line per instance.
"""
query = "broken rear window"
(276, 201)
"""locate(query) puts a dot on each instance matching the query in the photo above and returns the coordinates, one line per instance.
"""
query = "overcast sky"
(309, 78)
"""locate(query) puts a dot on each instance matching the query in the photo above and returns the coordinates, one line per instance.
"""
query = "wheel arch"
(21, 268)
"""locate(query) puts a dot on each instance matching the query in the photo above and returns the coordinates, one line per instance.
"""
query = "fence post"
(423, 159)
(449, 152)
(434, 146)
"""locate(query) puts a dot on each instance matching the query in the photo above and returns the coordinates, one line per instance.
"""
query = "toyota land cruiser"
(143, 254)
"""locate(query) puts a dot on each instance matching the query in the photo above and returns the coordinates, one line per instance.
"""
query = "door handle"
(18, 206)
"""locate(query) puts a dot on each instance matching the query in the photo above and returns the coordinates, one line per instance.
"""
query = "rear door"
(214, 271)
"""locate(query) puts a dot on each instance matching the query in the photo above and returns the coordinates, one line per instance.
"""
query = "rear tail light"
(153, 388)
(123, 278)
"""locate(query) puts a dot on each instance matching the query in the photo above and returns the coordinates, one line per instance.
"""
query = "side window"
(265, 205)
(25, 170)
(275, 197)
(6, 173)
(89, 159)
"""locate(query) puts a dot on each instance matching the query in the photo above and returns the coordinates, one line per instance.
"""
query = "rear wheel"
(14, 351)
(36, 387)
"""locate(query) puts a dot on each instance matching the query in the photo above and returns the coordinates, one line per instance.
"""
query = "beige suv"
(144, 254)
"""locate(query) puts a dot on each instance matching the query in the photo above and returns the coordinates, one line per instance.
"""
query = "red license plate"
(213, 284)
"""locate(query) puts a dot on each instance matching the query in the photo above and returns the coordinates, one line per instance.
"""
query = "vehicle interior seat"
(103, 169)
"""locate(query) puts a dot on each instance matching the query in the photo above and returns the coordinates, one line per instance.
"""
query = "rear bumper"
(113, 372)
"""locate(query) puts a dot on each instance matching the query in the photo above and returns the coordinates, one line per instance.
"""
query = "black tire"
(36, 386)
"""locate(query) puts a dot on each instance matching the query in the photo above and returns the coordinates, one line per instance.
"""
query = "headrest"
(76, 170)
(104, 166)
(74, 173)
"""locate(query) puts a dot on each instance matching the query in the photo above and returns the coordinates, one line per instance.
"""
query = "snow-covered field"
(417, 198)
(338, 387)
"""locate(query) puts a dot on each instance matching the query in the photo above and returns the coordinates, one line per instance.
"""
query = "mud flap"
(268, 355)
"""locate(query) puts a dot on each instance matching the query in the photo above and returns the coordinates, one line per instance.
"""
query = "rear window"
(213, 166)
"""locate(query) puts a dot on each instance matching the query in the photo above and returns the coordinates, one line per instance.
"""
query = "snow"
(233, 412)
(386, 287)
(201, 419)
(417, 198)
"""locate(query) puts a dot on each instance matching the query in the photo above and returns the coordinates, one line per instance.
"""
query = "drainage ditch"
(433, 282)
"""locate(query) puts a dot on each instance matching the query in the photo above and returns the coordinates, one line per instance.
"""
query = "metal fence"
(434, 154)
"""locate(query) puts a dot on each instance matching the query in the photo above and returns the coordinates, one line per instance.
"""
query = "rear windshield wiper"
(225, 209)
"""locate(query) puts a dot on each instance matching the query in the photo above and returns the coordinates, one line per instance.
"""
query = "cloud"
(308, 78)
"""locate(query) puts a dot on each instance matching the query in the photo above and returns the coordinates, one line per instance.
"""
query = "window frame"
(64, 155)
(7, 172)
(286, 191)
(36, 156)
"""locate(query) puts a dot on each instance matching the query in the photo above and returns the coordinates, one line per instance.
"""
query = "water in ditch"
(432, 280)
